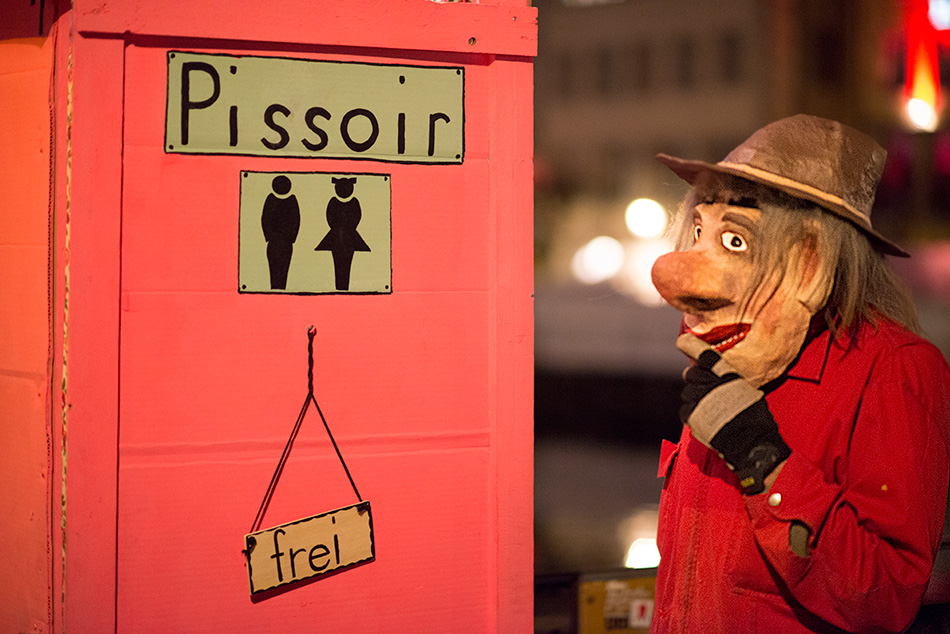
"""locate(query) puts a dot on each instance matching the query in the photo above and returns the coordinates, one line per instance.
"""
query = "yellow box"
(616, 602)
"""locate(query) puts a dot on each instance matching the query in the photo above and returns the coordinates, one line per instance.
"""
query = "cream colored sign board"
(315, 232)
(309, 547)
(274, 106)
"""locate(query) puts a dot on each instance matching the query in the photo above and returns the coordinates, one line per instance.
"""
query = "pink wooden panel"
(408, 382)
(431, 216)
(234, 368)
(428, 389)
(176, 220)
(432, 573)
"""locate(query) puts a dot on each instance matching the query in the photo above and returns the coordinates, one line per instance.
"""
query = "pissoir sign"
(273, 106)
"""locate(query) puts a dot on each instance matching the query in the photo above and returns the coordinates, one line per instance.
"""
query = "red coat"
(869, 429)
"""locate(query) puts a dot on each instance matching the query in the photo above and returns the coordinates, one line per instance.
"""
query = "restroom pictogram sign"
(309, 232)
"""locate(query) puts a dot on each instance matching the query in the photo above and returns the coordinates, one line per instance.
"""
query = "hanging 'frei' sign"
(273, 106)
(318, 545)
(309, 547)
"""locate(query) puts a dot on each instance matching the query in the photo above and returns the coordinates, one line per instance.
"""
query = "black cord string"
(339, 455)
(280, 467)
(311, 333)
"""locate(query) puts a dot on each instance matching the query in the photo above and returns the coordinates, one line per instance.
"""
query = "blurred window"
(732, 55)
(641, 68)
(686, 63)
(566, 85)
(606, 71)
(828, 56)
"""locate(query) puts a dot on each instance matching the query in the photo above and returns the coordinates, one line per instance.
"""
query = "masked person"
(808, 489)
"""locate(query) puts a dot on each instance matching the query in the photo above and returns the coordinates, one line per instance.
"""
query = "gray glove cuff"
(720, 407)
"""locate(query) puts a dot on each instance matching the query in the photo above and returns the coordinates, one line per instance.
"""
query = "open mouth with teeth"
(721, 338)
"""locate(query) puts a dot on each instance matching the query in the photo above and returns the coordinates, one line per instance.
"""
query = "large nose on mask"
(691, 282)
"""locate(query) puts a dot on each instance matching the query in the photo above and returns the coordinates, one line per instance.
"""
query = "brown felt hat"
(823, 161)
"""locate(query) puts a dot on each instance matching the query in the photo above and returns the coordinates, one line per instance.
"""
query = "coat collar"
(810, 365)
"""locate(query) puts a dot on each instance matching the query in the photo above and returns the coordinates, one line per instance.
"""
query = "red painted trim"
(60, 34)
(92, 348)
(511, 203)
(456, 27)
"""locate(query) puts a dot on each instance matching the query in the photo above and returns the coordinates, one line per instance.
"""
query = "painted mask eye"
(734, 242)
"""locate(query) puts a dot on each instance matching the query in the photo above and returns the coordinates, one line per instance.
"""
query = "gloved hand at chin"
(725, 413)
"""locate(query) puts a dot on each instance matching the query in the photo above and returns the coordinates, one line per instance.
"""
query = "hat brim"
(689, 171)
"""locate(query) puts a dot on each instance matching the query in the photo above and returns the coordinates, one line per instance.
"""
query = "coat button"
(775, 499)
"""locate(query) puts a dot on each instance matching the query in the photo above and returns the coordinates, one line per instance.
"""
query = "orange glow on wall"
(25, 386)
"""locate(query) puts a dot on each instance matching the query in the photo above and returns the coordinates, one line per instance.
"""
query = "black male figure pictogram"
(343, 240)
(280, 221)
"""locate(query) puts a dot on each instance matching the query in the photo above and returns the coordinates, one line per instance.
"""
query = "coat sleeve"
(872, 537)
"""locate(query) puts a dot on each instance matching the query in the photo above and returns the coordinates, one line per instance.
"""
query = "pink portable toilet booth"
(266, 284)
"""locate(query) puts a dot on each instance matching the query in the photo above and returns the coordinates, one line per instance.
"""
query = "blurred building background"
(619, 81)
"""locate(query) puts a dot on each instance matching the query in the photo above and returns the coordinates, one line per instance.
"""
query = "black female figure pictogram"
(343, 240)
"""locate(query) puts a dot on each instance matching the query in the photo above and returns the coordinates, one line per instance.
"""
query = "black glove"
(726, 413)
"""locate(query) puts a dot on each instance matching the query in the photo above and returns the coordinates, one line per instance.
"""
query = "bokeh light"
(922, 115)
(636, 277)
(643, 553)
(598, 260)
(646, 218)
